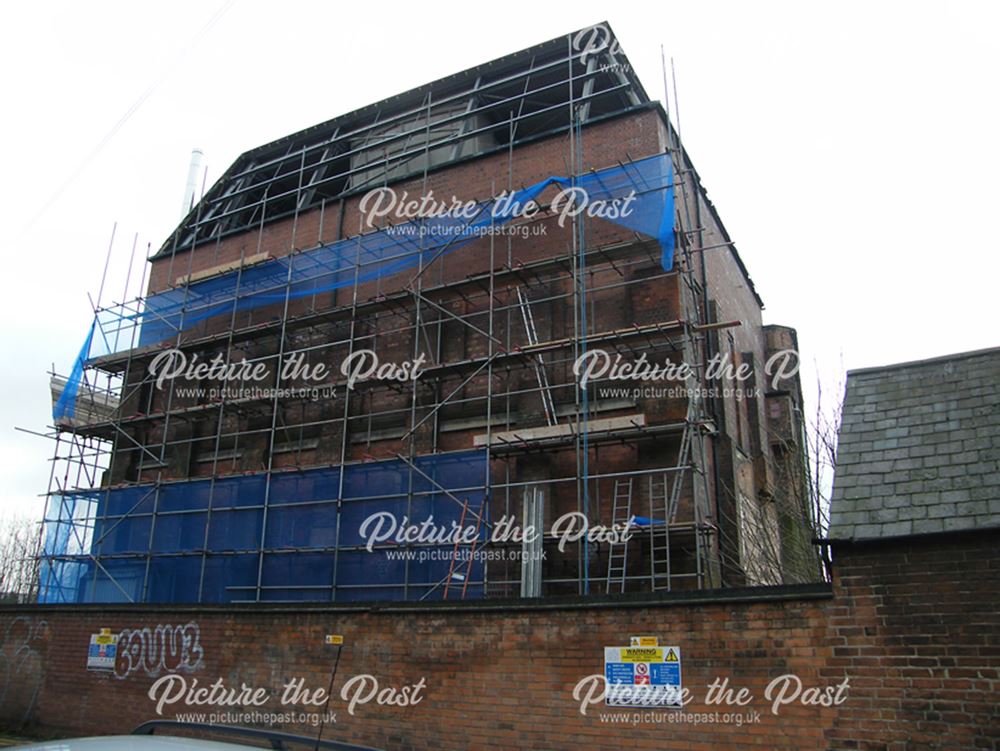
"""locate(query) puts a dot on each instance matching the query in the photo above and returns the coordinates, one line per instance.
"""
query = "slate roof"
(919, 448)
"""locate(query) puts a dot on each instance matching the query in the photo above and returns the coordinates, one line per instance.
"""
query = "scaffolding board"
(184, 490)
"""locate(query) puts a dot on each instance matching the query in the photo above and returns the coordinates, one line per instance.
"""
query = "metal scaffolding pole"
(482, 390)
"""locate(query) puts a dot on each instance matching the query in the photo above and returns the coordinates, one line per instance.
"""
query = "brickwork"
(916, 625)
(493, 679)
(912, 625)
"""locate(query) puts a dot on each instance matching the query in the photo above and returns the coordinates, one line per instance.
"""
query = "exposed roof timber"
(549, 114)
(402, 157)
(515, 61)
(337, 140)
(406, 134)
(411, 113)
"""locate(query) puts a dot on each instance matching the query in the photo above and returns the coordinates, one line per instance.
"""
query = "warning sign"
(642, 654)
(644, 641)
(643, 676)
(334, 639)
(102, 651)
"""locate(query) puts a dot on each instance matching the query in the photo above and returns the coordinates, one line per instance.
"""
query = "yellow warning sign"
(644, 641)
(643, 654)
(671, 656)
(334, 639)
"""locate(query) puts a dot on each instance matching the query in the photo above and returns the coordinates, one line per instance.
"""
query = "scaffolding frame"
(497, 299)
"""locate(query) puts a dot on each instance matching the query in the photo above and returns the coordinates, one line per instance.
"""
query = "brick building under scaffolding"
(194, 489)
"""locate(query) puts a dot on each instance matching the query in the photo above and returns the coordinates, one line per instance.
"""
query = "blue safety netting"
(65, 406)
(644, 188)
(295, 537)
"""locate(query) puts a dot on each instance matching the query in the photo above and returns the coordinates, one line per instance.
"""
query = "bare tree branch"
(19, 541)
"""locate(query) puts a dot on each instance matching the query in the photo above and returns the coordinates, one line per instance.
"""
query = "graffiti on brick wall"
(160, 649)
(22, 666)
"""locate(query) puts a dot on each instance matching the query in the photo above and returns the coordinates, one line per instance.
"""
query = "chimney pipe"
(192, 182)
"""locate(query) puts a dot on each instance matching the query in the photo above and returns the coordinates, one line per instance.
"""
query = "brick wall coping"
(817, 591)
(925, 538)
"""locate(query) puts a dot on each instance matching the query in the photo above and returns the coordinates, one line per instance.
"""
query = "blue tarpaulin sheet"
(367, 258)
(300, 533)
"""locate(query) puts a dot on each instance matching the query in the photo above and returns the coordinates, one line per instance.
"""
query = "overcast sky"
(851, 149)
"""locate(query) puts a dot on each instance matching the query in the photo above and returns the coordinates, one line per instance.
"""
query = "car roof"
(135, 743)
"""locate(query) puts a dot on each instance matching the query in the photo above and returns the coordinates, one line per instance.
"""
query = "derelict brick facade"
(739, 463)
(604, 144)
(199, 439)
(912, 624)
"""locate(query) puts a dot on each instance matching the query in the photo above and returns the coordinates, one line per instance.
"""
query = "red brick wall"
(916, 625)
(913, 626)
(493, 679)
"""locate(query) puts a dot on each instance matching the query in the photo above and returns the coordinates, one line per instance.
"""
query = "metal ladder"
(548, 406)
(621, 512)
(659, 531)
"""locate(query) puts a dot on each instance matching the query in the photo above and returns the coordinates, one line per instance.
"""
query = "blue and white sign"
(643, 676)
(102, 651)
